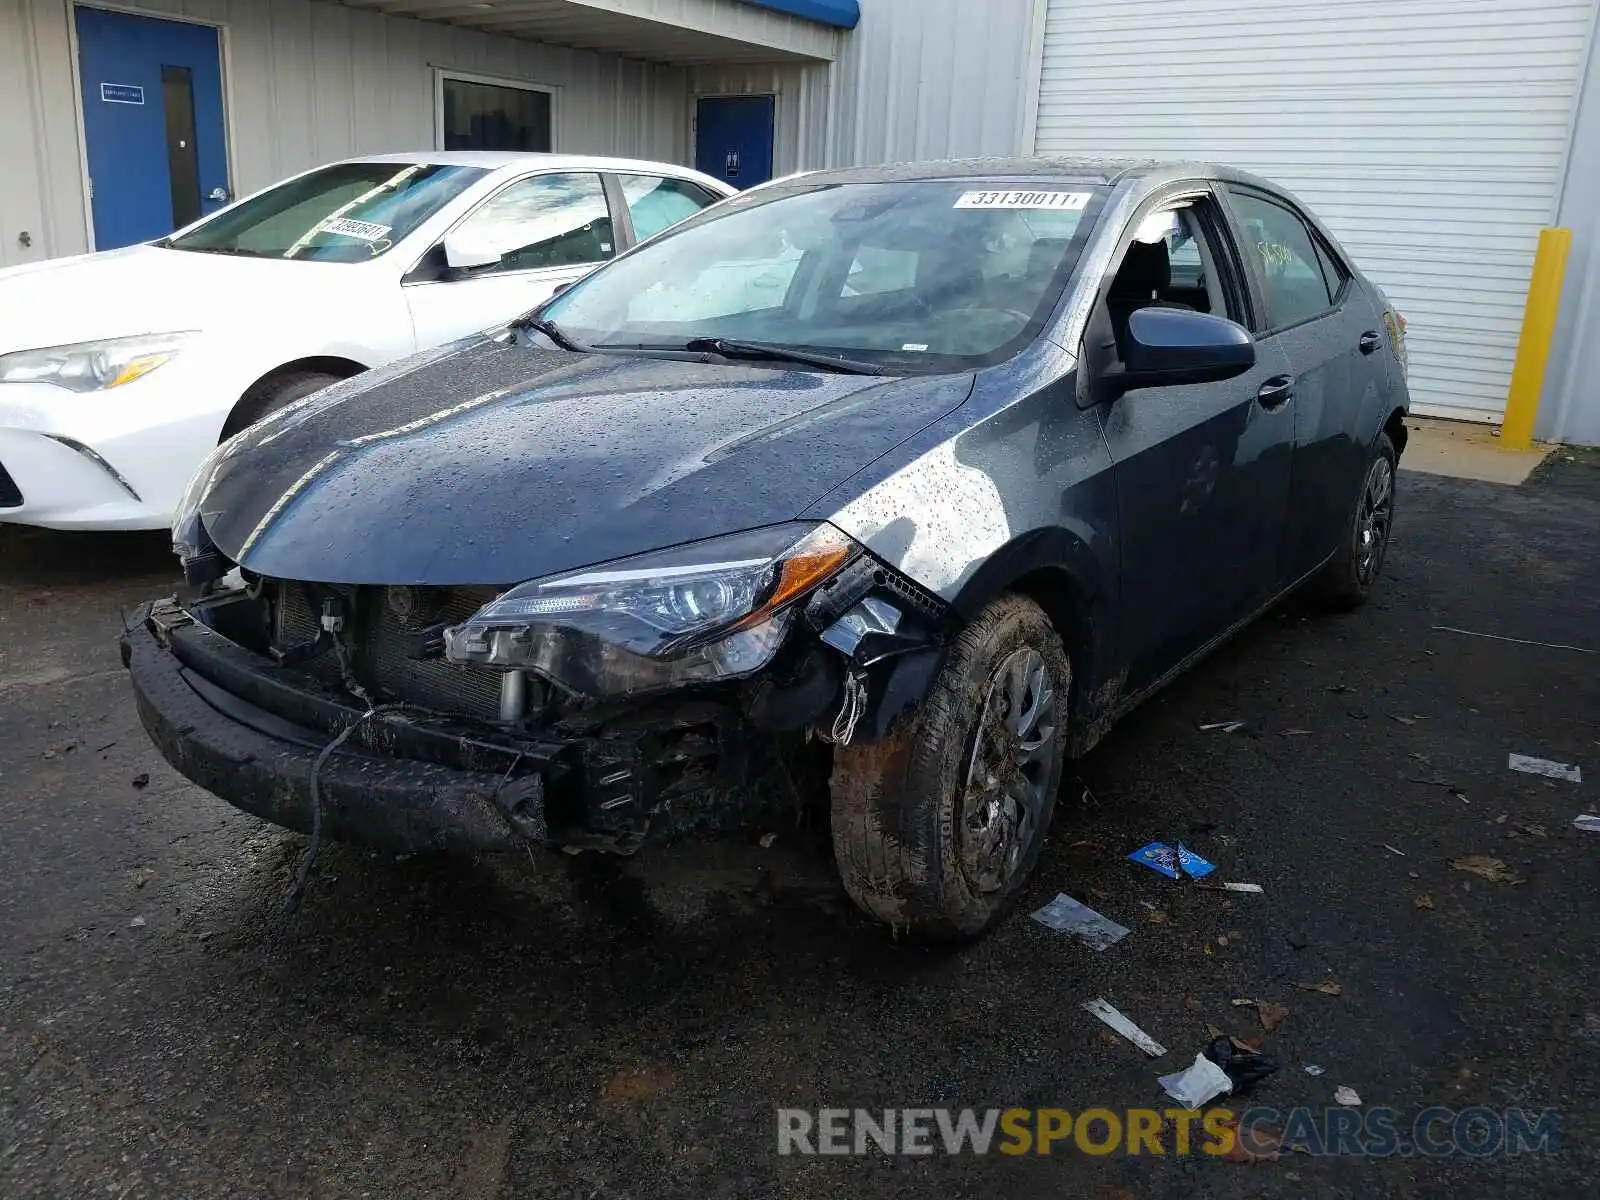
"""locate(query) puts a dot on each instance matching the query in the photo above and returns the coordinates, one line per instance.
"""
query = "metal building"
(1436, 137)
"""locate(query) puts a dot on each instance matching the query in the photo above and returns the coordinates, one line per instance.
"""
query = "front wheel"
(937, 826)
(1347, 581)
(273, 393)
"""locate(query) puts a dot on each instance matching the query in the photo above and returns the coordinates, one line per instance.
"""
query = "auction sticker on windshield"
(365, 231)
(1048, 201)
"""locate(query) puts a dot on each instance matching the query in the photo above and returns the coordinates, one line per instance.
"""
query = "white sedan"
(120, 371)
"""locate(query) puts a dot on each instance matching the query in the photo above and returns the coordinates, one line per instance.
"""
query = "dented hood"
(493, 462)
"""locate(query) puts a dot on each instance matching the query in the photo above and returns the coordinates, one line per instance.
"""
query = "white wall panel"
(306, 83)
(1429, 134)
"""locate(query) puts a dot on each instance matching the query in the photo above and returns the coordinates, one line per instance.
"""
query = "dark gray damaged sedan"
(920, 476)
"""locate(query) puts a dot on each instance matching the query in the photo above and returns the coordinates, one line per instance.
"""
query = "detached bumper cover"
(402, 804)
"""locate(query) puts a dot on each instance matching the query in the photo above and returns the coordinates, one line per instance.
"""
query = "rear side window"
(1333, 271)
(1285, 256)
(655, 203)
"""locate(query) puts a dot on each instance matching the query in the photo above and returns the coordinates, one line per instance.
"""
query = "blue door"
(152, 124)
(733, 139)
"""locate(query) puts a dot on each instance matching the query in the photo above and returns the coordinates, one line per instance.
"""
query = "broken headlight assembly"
(707, 611)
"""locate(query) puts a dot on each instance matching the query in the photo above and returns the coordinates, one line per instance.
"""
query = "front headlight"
(709, 610)
(92, 366)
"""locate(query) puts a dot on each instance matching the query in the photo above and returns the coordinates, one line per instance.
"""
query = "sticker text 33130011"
(1047, 201)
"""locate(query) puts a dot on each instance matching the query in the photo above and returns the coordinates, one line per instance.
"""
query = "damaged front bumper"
(252, 732)
(240, 702)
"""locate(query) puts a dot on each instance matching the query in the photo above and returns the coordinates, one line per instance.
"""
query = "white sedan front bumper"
(117, 459)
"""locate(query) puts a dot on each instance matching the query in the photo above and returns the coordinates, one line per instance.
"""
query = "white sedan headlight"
(92, 366)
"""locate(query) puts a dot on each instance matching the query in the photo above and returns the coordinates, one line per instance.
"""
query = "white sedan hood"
(147, 289)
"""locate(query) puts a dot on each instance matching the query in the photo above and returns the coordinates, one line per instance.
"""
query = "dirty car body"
(945, 465)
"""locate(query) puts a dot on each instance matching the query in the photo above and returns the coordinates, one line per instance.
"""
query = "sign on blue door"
(153, 125)
(122, 93)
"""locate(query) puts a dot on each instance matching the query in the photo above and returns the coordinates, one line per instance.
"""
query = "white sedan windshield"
(348, 212)
(936, 274)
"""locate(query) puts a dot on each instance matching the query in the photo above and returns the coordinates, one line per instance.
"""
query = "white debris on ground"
(1550, 769)
(1101, 1009)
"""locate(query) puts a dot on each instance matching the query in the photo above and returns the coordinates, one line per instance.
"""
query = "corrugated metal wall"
(922, 79)
(1571, 408)
(1429, 134)
(306, 83)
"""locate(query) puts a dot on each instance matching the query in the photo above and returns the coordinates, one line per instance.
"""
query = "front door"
(549, 230)
(733, 139)
(152, 124)
(1202, 470)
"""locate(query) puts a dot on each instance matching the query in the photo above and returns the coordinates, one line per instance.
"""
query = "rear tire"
(273, 393)
(1346, 583)
(937, 826)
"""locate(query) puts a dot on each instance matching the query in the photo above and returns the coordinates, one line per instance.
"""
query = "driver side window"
(1174, 261)
(546, 221)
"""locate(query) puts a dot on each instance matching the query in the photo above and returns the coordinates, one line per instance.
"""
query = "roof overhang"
(679, 32)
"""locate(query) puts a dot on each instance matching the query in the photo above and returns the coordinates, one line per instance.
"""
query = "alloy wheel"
(1009, 771)
(1373, 519)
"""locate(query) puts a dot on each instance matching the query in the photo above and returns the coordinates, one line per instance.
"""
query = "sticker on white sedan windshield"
(364, 231)
(1038, 201)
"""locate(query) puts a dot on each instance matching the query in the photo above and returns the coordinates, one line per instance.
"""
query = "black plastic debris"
(141, 780)
(1244, 1066)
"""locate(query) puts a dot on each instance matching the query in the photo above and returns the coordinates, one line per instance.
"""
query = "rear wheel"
(1346, 583)
(937, 826)
(273, 393)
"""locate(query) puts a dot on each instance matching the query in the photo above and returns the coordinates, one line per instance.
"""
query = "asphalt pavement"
(578, 1028)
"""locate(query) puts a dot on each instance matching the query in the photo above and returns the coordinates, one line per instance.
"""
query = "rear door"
(1202, 470)
(1328, 329)
(553, 228)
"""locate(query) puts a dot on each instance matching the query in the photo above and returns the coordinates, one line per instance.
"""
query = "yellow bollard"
(1533, 348)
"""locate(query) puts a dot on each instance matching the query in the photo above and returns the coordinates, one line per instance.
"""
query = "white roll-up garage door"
(1430, 135)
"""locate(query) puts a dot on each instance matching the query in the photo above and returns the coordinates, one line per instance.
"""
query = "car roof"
(1084, 170)
(494, 160)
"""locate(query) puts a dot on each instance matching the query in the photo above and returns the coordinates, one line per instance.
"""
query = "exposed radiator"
(382, 638)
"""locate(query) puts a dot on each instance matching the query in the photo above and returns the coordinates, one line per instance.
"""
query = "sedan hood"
(493, 462)
(147, 289)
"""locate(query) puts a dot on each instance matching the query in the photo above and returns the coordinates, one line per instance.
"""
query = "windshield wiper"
(771, 352)
(552, 331)
(236, 251)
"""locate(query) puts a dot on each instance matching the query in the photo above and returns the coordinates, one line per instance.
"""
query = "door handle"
(1370, 341)
(1276, 392)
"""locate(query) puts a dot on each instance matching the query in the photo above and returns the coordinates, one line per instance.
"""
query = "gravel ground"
(589, 1029)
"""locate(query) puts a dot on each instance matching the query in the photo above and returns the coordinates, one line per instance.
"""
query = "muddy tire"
(1346, 583)
(937, 826)
(273, 393)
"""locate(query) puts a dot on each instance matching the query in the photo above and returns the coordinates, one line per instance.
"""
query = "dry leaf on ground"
(1272, 1015)
(1492, 869)
(1327, 988)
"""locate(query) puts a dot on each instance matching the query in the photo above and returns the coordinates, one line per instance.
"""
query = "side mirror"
(462, 251)
(1171, 346)
(561, 287)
